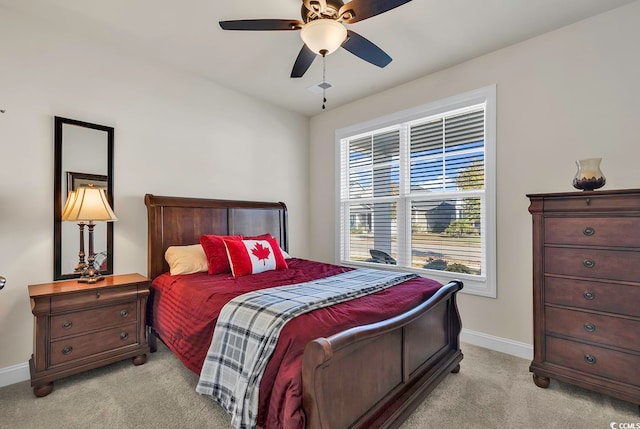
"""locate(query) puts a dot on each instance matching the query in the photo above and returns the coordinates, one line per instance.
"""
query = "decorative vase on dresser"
(80, 326)
(586, 290)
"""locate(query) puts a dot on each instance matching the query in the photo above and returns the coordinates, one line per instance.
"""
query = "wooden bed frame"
(397, 361)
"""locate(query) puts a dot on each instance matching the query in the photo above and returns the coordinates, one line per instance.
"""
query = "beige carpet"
(492, 390)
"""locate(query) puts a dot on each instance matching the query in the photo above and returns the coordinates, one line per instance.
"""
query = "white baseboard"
(17, 373)
(510, 347)
(14, 374)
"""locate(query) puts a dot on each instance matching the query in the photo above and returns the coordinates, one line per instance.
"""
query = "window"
(417, 191)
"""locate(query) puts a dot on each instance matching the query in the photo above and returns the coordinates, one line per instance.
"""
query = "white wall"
(174, 135)
(566, 95)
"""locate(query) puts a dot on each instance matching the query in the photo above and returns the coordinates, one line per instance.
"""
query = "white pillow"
(186, 259)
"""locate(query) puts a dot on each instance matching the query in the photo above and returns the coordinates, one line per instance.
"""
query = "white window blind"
(417, 192)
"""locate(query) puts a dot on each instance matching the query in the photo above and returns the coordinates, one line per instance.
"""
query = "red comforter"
(185, 309)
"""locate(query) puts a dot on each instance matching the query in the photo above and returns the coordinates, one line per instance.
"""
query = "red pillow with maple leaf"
(254, 256)
(213, 247)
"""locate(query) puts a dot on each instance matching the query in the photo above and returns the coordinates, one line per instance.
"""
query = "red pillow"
(254, 256)
(258, 237)
(213, 247)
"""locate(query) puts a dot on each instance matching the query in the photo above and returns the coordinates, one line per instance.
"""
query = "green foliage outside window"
(460, 228)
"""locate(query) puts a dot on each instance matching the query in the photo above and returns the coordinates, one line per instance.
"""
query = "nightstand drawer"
(93, 296)
(613, 331)
(619, 366)
(64, 325)
(601, 231)
(600, 264)
(86, 345)
(609, 297)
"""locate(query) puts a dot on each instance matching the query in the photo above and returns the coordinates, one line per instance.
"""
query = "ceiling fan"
(323, 31)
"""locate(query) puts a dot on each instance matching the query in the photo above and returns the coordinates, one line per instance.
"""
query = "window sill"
(473, 285)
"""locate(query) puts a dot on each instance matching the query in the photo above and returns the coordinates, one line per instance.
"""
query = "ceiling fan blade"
(262, 24)
(365, 49)
(359, 10)
(303, 62)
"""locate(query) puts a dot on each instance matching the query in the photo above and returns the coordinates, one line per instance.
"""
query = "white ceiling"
(422, 36)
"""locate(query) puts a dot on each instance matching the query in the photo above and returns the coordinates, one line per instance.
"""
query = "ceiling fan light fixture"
(323, 35)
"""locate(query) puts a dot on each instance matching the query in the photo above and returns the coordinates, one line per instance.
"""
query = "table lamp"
(87, 204)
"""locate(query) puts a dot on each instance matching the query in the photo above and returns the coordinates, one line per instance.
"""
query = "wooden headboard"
(177, 221)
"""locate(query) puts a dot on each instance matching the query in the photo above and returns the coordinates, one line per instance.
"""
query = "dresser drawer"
(88, 320)
(596, 231)
(609, 297)
(69, 349)
(593, 202)
(593, 360)
(93, 296)
(613, 331)
(600, 264)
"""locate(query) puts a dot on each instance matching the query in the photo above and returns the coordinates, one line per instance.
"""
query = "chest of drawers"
(81, 326)
(586, 290)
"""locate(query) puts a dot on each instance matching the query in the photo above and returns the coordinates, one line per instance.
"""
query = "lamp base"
(91, 280)
(90, 274)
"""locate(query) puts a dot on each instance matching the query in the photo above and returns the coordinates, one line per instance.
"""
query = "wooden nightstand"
(80, 326)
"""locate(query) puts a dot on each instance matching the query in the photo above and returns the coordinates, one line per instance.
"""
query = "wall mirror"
(83, 155)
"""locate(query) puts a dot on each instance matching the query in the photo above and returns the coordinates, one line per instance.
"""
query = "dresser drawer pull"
(124, 335)
(588, 201)
(588, 231)
(590, 359)
(97, 295)
(67, 325)
(124, 313)
(589, 263)
(589, 327)
(67, 350)
(589, 295)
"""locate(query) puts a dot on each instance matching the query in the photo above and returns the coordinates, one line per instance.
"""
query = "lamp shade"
(323, 35)
(87, 204)
(71, 200)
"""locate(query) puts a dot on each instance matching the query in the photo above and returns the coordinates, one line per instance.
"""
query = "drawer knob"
(97, 295)
(67, 325)
(124, 313)
(124, 335)
(589, 263)
(66, 350)
(589, 295)
(588, 231)
(590, 359)
(589, 327)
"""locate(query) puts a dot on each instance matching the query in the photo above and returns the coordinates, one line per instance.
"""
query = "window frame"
(485, 285)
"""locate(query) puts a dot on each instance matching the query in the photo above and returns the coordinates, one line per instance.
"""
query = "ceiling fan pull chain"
(324, 78)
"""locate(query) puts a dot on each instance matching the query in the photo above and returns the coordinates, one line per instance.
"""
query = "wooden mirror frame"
(58, 202)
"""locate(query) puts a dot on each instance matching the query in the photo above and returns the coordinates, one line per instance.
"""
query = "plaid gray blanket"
(248, 328)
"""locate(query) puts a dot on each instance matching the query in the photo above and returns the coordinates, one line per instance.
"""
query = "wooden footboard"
(374, 376)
